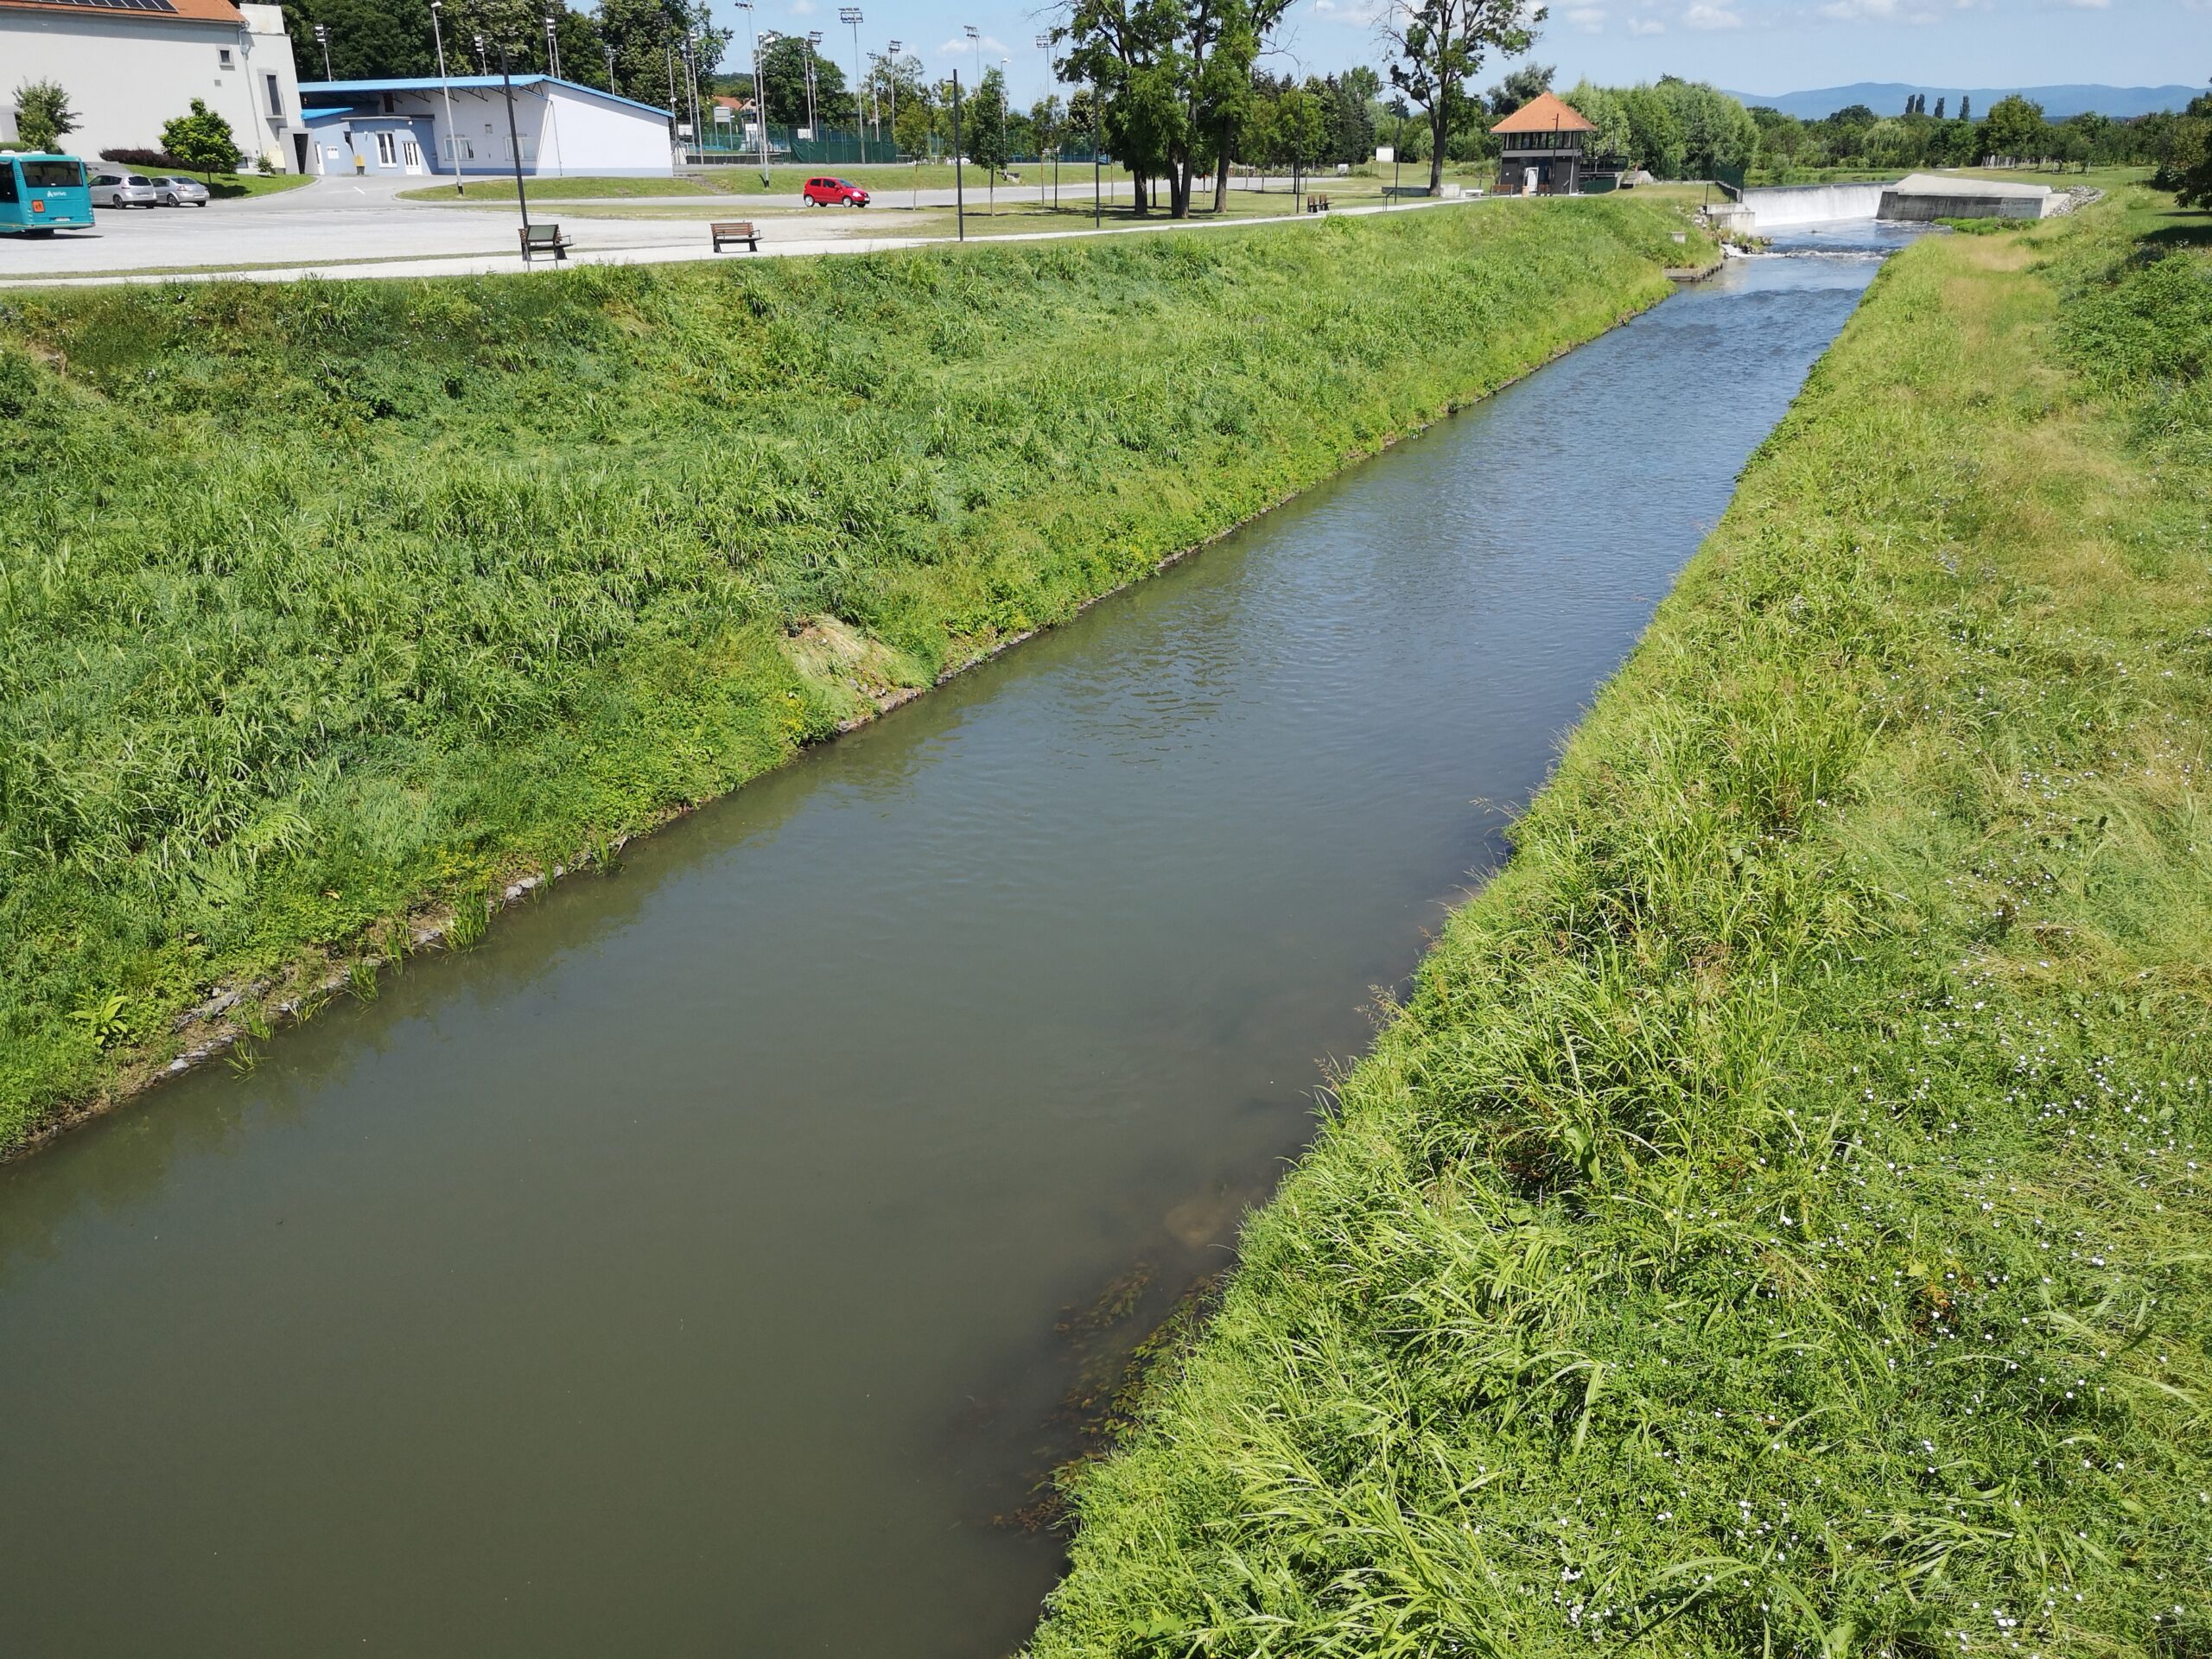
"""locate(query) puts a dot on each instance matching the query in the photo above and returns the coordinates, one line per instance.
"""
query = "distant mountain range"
(1888, 96)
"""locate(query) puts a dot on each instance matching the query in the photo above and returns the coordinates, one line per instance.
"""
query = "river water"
(699, 1266)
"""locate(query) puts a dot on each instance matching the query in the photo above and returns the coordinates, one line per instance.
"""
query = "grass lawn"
(1778, 1222)
(325, 605)
(233, 186)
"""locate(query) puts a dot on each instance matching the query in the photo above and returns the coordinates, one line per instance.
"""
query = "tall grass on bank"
(1779, 1223)
(318, 600)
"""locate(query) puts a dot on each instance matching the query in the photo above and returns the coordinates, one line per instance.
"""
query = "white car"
(175, 192)
(124, 190)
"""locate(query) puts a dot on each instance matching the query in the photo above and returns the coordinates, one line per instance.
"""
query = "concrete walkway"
(343, 230)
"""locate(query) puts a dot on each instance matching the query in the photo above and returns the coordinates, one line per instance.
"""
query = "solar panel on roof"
(118, 5)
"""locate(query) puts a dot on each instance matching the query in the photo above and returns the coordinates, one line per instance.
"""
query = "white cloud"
(1589, 19)
(1878, 11)
(801, 7)
(1707, 17)
(1360, 12)
(991, 44)
(2090, 5)
(1646, 26)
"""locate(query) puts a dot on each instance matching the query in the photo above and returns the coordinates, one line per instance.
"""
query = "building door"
(300, 152)
(410, 154)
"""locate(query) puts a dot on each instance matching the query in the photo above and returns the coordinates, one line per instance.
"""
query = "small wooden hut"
(1543, 152)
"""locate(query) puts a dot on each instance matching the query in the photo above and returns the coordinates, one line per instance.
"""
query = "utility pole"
(851, 16)
(452, 135)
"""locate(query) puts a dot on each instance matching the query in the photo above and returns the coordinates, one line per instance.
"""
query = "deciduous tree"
(43, 118)
(203, 140)
(1440, 44)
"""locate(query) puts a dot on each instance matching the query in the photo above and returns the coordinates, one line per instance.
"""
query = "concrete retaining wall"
(1919, 208)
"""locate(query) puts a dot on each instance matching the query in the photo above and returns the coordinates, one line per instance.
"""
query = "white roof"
(1938, 184)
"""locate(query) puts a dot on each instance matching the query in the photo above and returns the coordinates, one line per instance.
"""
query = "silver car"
(180, 192)
(124, 190)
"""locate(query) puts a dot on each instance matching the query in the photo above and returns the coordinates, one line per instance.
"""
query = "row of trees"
(655, 48)
(2012, 127)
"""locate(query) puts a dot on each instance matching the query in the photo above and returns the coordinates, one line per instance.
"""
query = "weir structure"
(1918, 198)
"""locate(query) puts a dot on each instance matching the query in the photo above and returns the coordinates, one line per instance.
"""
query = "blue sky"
(1756, 46)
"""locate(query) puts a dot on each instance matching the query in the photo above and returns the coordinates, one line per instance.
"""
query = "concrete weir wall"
(1780, 207)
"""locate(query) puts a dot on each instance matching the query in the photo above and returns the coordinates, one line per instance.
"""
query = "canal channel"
(703, 1264)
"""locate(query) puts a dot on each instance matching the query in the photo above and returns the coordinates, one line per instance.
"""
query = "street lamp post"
(514, 146)
(322, 40)
(452, 134)
(850, 16)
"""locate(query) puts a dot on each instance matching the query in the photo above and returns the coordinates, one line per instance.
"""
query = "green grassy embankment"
(322, 603)
(1778, 1224)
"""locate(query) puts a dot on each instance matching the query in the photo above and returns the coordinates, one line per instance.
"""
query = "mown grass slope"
(1776, 1225)
(319, 602)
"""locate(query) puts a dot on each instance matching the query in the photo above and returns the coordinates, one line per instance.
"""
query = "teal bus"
(40, 195)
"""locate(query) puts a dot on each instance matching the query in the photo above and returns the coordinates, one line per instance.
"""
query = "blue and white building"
(429, 126)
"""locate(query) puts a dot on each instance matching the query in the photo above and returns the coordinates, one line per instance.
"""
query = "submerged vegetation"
(323, 602)
(1778, 1223)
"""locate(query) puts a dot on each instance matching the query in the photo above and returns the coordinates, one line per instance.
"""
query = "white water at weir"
(1782, 206)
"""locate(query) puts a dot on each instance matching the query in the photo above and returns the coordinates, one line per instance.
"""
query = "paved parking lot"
(329, 222)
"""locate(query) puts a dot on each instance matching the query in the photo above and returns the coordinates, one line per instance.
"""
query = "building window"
(467, 150)
(223, 56)
(383, 150)
(276, 96)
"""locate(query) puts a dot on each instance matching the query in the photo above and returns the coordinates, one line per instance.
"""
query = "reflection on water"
(679, 1272)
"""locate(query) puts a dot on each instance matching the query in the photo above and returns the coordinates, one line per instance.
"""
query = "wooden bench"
(737, 231)
(543, 238)
(1317, 204)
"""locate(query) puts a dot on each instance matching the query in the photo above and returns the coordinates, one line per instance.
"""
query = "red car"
(829, 192)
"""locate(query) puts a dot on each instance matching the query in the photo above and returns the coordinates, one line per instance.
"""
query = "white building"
(128, 66)
(386, 127)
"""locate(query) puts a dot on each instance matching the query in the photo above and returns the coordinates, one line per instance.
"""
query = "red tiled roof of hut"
(1545, 113)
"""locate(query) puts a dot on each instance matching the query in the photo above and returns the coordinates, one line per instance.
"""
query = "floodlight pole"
(759, 96)
(813, 38)
(891, 87)
(322, 40)
(851, 14)
(959, 197)
(452, 134)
